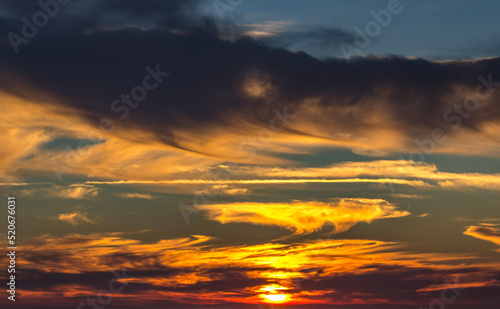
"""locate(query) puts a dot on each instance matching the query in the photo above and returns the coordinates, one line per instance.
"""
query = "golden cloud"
(305, 217)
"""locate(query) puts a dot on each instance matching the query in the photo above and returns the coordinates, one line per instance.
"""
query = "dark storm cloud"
(90, 63)
(87, 15)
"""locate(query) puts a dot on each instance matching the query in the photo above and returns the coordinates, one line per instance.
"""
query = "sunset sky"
(251, 153)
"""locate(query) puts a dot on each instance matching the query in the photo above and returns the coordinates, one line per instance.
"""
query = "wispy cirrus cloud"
(28, 125)
(136, 195)
(75, 191)
(225, 189)
(250, 181)
(399, 172)
(410, 196)
(406, 171)
(75, 218)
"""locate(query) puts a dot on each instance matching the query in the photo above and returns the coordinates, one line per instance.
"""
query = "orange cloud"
(170, 269)
(487, 233)
(27, 125)
(136, 155)
(391, 170)
(82, 253)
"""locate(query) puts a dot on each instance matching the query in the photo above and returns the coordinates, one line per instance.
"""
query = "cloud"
(172, 270)
(223, 92)
(235, 191)
(393, 171)
(389, 101)
(322, 41)
(417, 183)
(74, 191)
(209, 179)
(242, 180)
(242, 85)
(225, 190)
(487, 233)
(266, 29)
(462, 219)
(28, 126)
(75, 218)
(304, 216)
(136, 195)
(412, 196)
(83, 15)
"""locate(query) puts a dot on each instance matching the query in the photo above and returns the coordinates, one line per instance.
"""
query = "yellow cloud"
(304, 217)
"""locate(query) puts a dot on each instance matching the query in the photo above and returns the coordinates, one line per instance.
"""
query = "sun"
(275, 298)
(272, 294)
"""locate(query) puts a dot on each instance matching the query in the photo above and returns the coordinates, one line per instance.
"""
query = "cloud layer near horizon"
(329, 271)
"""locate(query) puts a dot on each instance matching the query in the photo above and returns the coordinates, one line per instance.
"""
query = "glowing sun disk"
(275, 297)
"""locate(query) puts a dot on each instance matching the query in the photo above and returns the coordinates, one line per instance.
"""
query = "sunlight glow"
(275, 298)
(272, 288)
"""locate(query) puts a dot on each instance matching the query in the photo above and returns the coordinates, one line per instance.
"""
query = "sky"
(251, 154)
